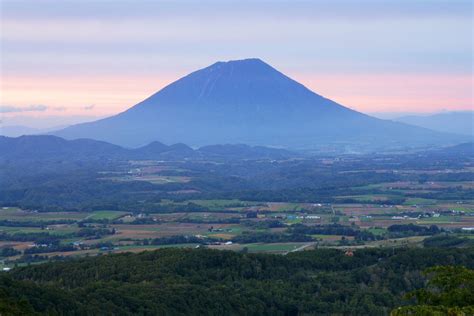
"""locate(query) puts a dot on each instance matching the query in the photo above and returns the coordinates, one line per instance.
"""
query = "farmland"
(267, 206)
(224, 224)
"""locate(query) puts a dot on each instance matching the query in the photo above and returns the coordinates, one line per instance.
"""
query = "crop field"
(168, 229)
(15, 214)
(231, 205)
(155, 179)
(111, 215)
(368, 197)
(266, 248)
(59, 230)
(409, 185)
(327, 237)
(419, 201)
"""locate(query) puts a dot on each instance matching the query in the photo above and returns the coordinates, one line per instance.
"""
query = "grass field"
(327, 237)
(293, 221)
(12, 230)
(283, 247)
(285, 207)
(151, 247)
(54, 230)
(110, 215)
(419, 201)
(152, 178)
(218, 205)
(15, 214)
(368, 197)
(266, 248)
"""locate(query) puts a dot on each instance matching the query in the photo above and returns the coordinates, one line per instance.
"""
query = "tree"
(449, 291)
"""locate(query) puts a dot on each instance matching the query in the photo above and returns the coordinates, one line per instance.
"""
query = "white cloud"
(29, 108)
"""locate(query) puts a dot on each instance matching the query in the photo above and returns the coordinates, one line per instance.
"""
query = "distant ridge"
(459, 122)
(248, 101)
(53, 148)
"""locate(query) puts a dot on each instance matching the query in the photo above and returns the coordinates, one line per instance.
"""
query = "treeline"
(445, 241)
(406, 230)
(334, 229)
(263, 237)
(41, 223)
(50, 239)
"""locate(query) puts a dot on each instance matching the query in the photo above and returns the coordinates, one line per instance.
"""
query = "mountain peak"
(248, 66)
(242, 86)
(241, 62)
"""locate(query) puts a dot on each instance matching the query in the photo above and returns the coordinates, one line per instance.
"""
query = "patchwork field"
(190, 204)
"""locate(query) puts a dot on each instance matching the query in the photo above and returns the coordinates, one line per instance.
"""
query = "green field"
(213, 204)
(419, 201)
(13, 230)
(152, 178)
(377, 231)
(110, 215)
(439, 220)
(153, 247)
(58, 231)
(293, 221)
(368, 197)
(15, 214)
(326, 237)
(290, 207)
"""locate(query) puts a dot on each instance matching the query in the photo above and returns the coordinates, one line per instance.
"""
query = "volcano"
(247, 101)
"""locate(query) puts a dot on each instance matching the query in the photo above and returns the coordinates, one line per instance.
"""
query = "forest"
(211, 282)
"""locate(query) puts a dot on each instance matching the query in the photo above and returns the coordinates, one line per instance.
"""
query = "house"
(349, 253)
(400, 217)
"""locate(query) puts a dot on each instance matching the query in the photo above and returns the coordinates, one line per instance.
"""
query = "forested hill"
(461, 150)
(47, 147)
(210, 282)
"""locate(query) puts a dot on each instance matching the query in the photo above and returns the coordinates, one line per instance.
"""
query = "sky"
(84, 59)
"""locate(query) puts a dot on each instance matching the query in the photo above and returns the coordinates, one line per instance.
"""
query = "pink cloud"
(365, 93)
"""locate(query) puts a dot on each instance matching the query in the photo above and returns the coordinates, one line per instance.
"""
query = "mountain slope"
(40, 147)
(460, 150)
(246, 101)
(451, 122)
